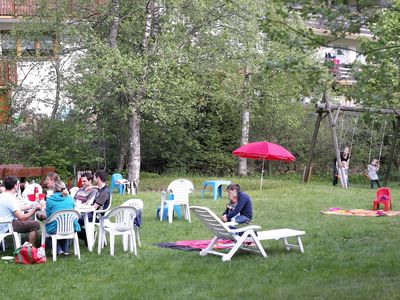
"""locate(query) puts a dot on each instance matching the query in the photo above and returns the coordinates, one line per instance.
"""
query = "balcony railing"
(321, 24)
(342, 74)
(17, 8)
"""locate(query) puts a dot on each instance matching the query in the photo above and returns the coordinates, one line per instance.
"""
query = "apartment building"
(27, 65)
(343, 51)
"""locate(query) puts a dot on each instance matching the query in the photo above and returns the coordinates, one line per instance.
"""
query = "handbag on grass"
(27, 254)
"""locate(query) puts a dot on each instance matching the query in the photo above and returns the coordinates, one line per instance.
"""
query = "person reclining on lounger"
(239, 209)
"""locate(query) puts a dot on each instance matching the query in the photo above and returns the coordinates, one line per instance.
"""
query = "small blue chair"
(121, 187)
(177, 210)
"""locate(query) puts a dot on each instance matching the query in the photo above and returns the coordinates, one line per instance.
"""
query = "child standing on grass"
(373, 169)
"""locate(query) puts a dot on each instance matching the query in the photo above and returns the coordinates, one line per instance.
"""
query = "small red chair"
(383, 197)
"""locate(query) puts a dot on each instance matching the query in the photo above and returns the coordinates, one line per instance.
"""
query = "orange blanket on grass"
(360, 212)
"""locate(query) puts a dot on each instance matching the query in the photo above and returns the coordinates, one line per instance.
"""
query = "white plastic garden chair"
(65, 230)
(138, 204)
(97, 214)
(10, 232)
(73, 191)
(118, 221)
(180, 188)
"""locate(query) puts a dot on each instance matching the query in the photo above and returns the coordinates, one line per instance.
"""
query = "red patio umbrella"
(264, 151)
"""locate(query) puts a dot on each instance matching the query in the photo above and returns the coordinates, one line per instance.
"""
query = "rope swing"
(352, 133)
(383, 137)
(381, 143)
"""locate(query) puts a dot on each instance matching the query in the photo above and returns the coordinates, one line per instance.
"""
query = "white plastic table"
(216, 186)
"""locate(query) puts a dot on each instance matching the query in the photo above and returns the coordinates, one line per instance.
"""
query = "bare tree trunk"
(134, 143)
(244, 140)
(121, 159)
(138, 98)
(112, 39)
(242, 169)
(58, 88)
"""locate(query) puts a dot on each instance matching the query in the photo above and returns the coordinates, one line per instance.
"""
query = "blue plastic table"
(216, 187)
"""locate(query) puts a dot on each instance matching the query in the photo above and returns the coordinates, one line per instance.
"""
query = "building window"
(12, 46)
(8, 44)
(28, 48)
(46, 46)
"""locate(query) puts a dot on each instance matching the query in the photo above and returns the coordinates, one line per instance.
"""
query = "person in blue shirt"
(59, 200)
(239, 209)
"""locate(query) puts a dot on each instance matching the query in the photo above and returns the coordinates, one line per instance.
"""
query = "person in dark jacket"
(239, 208)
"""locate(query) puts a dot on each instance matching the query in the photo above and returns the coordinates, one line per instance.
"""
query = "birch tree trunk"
(57, 67)
(152, 10)
(134, 143)
(112, 39)
(242, 169)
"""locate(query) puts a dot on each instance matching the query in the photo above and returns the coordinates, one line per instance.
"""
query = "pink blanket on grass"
(196, 245)
(360, 212)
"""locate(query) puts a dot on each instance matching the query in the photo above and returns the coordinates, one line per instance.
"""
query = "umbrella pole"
(262, 174)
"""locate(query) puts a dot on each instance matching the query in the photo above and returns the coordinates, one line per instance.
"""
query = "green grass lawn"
(345, 257)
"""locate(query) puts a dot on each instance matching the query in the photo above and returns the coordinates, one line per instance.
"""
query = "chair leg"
(17, 240)
(161, 211)
(133, 241)
(138, 236)
(77, 250)
(238, 243)
(43, 229)
(258, 244)
(205, 251)
(125, 241)
(187, 213)
(170, 213)
(100, 241)
(112, 242)
(54, 247)
(285, 242)
(386, 206)
(300, 244)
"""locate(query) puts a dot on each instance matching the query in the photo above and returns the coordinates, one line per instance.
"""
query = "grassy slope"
(345, 257)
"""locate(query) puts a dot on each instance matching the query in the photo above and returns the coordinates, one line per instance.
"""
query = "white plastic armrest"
(243, 229)
(9, 223)
(231, 223)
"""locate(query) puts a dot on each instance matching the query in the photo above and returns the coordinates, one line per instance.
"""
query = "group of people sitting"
(57, 199)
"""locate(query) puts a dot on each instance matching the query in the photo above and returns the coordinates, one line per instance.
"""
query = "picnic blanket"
(196, 245)
(360, 212)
